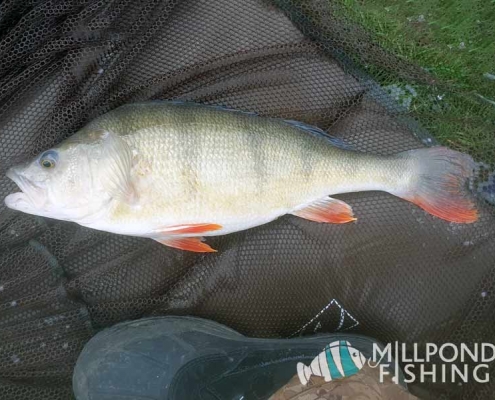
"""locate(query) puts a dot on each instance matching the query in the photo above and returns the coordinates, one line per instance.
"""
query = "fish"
(337, 360)
(180, 172)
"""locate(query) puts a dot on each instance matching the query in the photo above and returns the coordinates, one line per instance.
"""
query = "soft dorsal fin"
(315, 131)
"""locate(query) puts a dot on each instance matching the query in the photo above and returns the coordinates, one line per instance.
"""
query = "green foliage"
(454, 41)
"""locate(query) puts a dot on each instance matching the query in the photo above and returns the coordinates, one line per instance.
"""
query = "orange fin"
(460, 211)
(188, 229)
(327, 210)
(440, 185)
(187, 243)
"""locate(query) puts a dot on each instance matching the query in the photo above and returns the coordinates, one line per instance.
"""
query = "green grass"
(455, 42)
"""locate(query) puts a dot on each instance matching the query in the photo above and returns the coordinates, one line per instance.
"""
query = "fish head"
(357, 357)
(59, 183)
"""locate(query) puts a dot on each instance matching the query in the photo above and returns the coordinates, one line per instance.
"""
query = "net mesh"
(397, 274)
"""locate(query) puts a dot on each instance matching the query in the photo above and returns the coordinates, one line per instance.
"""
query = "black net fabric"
(397, 274)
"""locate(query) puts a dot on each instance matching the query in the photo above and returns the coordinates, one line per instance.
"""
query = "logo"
(447, 363)
(337, 360)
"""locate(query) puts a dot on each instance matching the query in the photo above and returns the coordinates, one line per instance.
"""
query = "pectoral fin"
(117, 164)
(193, 244)
(327, 210)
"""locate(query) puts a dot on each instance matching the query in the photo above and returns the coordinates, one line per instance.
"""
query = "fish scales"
(234, 162)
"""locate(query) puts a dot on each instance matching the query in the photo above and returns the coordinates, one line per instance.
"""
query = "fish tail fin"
(438, 184)
(304, 373)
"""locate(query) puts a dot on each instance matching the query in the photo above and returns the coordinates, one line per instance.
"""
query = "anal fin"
(328, 210)
(193, 244)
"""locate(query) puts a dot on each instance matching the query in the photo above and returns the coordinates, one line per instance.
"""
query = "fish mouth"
(30, 195)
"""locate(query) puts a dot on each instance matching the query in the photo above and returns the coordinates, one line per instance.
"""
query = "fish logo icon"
(337, 360)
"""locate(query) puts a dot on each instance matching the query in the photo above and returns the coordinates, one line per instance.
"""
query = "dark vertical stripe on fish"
(191, 151)
(256, 143)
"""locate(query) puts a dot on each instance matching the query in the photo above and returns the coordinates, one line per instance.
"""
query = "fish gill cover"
(398, 274)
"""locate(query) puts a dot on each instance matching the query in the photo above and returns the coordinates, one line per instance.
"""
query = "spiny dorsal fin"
(314, 130)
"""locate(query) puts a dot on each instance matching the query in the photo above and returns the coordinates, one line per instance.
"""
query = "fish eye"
(47, 163)
(48, 159)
